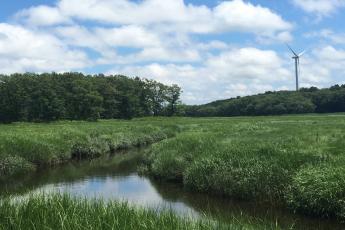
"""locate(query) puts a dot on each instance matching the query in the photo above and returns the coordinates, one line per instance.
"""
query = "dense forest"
(75, 96)
(307, 100)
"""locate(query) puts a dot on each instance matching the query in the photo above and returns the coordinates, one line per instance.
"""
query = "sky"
(212, 49)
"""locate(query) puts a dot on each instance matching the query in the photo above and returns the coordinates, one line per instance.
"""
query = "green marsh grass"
(26, 146)
(289, 161)
(65, 212)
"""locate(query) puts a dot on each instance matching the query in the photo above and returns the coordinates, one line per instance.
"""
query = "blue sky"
(212, 49)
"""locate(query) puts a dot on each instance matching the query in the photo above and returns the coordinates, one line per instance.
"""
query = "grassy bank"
(292, 161)
(26, 146)
(64, 212)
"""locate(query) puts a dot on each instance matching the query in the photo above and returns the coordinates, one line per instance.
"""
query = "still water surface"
(116, 178)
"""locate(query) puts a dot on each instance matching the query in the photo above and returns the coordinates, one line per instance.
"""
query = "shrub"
(13, 165)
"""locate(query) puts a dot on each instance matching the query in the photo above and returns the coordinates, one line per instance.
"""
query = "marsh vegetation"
(294, 163)
(26, 146)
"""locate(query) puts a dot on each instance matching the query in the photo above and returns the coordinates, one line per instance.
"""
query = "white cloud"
(320, 7)
(242, 16)
(42, 16)
(122, 11)
(165, 54)
(128, 36)
(213, 45)
(248, 63)
(80, 36)
(159, 31)
(165, 16)
(327, 34)
(105, 41)
(220, 75)
(148, 45)
(23, 50)
(331, 57)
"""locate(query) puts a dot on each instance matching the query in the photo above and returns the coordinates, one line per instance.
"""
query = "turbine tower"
(296, 58)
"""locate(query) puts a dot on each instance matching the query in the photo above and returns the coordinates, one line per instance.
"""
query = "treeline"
(307, 100)
(75, 96)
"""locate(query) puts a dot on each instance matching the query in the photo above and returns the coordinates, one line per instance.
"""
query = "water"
(116, 178)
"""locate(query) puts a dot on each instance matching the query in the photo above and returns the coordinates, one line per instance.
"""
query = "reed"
(64, 212)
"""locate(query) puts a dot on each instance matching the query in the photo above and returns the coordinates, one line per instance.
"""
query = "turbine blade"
(302, 53)
(291, 49)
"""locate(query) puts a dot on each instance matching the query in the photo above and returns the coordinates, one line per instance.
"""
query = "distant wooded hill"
(307, 100)
(74, 96)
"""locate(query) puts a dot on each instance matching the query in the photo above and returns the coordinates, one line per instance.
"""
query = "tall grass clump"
(203, 163)
(242, 178)
(65, 212)
(319, 191)
(169, 159)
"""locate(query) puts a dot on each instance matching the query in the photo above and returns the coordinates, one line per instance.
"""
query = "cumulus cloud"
(328, 35)
(23, 50)
(145, 45)
(331, 57)
(154, 30)
(248, 63)
(168, 15)
(320, 7)
(243, 16)
(130, 36)
(42, 16)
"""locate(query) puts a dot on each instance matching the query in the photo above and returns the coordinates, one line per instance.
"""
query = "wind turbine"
(296, 57)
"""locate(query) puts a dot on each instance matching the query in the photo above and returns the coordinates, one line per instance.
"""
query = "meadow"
(294, 162)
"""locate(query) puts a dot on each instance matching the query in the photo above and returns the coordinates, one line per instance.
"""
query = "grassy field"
(291, 161)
